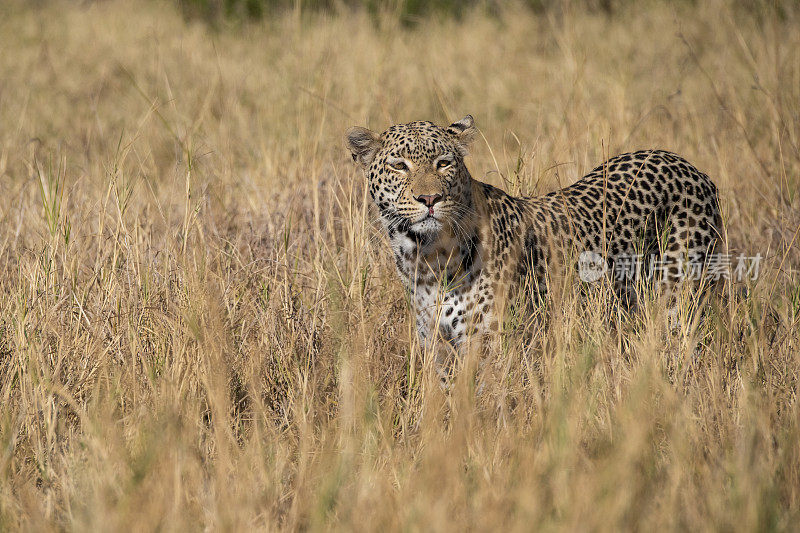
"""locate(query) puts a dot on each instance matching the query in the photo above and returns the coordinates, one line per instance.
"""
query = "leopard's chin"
(428, 225)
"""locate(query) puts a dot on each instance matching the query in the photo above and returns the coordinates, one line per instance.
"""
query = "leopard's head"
(416, 173)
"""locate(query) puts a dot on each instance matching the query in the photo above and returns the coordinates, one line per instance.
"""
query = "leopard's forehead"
(418, 139)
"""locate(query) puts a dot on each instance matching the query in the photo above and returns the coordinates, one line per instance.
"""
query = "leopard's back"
(649, 206)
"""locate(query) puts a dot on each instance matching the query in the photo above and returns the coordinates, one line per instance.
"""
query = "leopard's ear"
(363, 145)
(464, 131)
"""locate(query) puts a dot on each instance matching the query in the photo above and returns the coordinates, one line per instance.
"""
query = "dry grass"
(201, 328)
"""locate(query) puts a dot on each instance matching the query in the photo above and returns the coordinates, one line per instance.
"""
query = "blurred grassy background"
(409, 11)
(200, 325)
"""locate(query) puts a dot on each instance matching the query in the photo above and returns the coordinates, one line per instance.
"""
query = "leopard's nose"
(428, 199)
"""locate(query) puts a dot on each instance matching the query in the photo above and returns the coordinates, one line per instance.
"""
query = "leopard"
(464, 249)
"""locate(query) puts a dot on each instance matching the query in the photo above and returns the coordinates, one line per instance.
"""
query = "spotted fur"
(463, 248)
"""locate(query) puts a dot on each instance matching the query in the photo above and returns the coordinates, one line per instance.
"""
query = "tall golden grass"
(200, 325)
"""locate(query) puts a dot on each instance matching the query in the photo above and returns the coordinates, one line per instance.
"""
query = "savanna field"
(200, 322)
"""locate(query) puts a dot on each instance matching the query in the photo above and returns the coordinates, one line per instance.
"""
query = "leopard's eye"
(400, 166)
(443, 164)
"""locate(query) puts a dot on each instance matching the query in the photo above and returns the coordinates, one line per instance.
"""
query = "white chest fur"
(447, 289)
